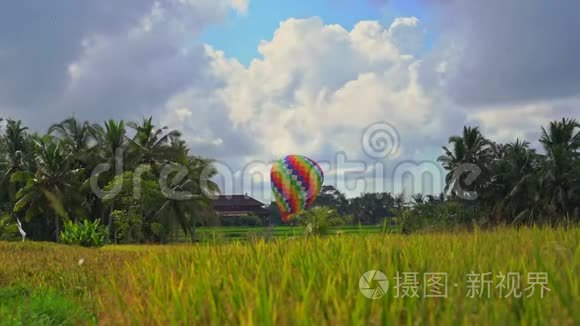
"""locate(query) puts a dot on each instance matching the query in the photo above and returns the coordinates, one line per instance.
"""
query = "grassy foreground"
(288, 281)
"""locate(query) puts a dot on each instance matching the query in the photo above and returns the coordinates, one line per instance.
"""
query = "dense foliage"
(81, 171)
(512, 184)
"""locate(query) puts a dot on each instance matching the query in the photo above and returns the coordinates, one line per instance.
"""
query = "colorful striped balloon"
(296, 181)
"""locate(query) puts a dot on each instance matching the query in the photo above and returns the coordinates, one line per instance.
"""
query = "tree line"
(487, 182)
(46, 179)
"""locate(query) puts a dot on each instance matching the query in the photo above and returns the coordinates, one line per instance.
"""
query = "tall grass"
(305, 280)
(315, 281)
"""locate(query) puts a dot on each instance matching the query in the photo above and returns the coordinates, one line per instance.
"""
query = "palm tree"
(331, 197)
(15, 143)
(418, 198)
(400, 201)
(469, 149)
(153, 142)
(192, 208)
(76, 137)
(560, 177)
(515, 181)
(113, 151)
(113, 139)
(15, 155)
(51, 186)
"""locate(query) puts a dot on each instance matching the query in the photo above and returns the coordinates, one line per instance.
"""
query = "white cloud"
(506, 123)
(316, 88)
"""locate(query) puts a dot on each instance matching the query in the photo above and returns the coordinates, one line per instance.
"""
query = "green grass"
(211, 234)
(21, 306)
(289, 280)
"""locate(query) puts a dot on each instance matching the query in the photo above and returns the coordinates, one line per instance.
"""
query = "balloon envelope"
(296, 181)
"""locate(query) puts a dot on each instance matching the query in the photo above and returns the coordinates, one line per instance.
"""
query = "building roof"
(236, 200)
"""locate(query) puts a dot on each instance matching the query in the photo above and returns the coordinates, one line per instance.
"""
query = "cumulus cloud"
(506, 123)
(316, 84)
(316, 88)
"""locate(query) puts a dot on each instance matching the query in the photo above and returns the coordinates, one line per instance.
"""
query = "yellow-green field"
(290, 281)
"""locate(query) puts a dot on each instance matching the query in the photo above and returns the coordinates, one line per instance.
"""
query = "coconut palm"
(515, 181)
(77, 138)
(15, 156)
(560, 171)
(188, 198)
(153, 143)
(53, 187)
(418, 198)
(471, 148)
(112, 151)
(15, 148)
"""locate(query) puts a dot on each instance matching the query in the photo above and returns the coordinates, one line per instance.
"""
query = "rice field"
(204, 234)
(299, 280)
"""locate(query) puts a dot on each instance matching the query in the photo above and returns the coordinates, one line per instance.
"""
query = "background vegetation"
(516, 185)
(45, 181)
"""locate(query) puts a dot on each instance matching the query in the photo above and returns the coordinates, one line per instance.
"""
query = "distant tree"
(51, 186)
(469, 148)
(275, 218)
(561, 168)
(371, 208)
(77, 138)
(418, 198)
(153, 143)
(331, 197)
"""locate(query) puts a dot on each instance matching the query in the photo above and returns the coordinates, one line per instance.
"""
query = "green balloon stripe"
(294, 183)
(278, 198)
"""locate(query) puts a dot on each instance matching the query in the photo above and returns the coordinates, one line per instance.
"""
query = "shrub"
(8, 228)
(128, 226)
(318, 219)
(411, 221)
(449, 215)
(85, 234)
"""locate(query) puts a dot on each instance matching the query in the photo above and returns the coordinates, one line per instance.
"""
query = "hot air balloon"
(296, 181)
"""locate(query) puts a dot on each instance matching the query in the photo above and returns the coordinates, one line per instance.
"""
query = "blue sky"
(240, 36)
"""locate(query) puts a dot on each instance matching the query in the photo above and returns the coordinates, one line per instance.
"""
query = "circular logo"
(380, 140)
(373, 284)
